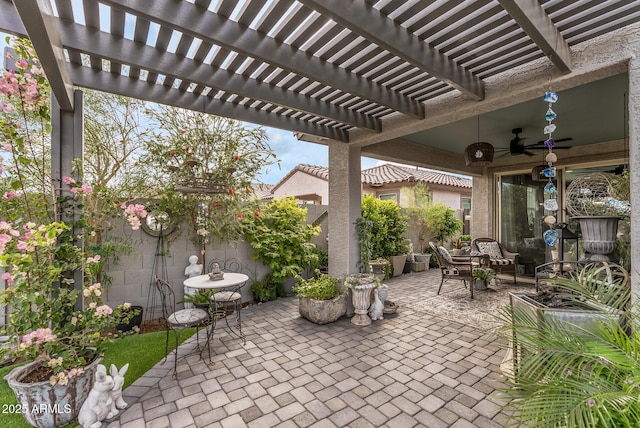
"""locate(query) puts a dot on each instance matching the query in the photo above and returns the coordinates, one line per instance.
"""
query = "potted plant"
(58, 320)
(201, 299)
(457, 249)
(130, 318)
(321, 299)
(381, 268)
(577, 372)
(382, 230)
(482, 277)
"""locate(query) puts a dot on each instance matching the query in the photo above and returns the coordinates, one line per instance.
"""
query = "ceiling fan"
(518, 147)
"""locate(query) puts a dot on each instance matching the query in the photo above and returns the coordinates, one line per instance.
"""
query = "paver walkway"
(410, 369)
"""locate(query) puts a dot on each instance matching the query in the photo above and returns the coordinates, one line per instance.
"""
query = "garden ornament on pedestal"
(98, 405)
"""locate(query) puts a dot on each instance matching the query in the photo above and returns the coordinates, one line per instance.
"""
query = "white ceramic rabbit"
(376, 311)
(116, 393)
(97, 406)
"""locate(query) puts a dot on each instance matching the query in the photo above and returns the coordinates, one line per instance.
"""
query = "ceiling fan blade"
(528, 153)
(544, 148)
(559, 140)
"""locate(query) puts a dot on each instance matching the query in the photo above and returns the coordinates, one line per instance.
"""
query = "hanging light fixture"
(480, 153)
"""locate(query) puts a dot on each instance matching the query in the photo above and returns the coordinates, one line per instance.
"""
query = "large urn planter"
(46, 406)
(598, 236)
(323, 311)
(361, 286)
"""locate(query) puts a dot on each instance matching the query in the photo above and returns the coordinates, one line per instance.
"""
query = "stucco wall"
(301, 183)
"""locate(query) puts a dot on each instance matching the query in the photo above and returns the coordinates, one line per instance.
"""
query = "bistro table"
(228, 295)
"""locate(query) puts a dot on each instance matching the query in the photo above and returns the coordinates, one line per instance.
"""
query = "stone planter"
(49, 406)
(423, 258)
(398, 264)
(361, 287)
(378, 270)
(598, 236)
(323, 311)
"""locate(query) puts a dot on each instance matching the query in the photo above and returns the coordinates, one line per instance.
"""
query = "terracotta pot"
(47, 406)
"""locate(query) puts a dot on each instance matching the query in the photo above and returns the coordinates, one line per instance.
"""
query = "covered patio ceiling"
(327, 69)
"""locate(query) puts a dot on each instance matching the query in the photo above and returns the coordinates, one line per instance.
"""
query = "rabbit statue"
(97, 406)
(116, 393)
(384, 293)
(376, 311)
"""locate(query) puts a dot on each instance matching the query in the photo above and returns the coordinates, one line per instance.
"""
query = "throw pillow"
(491, 248)
(444, 253)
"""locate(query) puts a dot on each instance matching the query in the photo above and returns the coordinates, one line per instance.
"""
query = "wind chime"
(551, 192)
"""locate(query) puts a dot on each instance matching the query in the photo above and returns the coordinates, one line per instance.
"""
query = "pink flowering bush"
(57, 314)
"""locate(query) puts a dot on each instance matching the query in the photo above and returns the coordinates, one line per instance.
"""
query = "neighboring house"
(310, 184)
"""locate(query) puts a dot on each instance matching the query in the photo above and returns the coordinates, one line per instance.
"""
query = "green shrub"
(322, 287)
(266, 289)
(381, 230)
(281, 239)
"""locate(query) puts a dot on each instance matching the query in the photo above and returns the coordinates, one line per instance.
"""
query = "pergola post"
(67, 136)
(634, 166)
(345, 208)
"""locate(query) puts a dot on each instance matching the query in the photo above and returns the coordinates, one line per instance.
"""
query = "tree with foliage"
(281, 238)
(442, 222)
(206, 169)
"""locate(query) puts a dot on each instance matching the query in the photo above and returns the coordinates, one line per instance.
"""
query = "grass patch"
(141, 351)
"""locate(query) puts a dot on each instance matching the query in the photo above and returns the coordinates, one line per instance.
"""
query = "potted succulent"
(482, 277)
(321, 299)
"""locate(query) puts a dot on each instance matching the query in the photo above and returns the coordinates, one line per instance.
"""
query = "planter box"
(419, 266)
(323, 311)
(576, 318)
(423, 258)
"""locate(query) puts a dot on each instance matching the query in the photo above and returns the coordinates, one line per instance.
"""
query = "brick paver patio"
(410, 369)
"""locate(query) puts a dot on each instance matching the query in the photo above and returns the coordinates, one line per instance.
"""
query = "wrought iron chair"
(177, 320)
(228, 302)
(452, 268)
(499, 258)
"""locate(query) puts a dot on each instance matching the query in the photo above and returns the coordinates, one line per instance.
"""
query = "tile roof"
(384, 174)
(389, 173)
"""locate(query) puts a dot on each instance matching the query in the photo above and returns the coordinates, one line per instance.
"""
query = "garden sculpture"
(383, 292)
(116, 393)
(376, 311)
(216, 273)
(194, 269)
(98, 404)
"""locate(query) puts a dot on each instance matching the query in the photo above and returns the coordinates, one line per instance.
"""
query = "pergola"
(391, 79)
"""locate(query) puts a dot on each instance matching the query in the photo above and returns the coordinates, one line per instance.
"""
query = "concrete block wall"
(132, 277)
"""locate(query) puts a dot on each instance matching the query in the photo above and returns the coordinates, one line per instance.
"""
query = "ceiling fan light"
(478, 154)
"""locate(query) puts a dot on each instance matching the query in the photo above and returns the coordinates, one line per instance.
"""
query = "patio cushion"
(226, 296)
(444, 253)
(502, 262)
(187, 317)
(490, 248)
